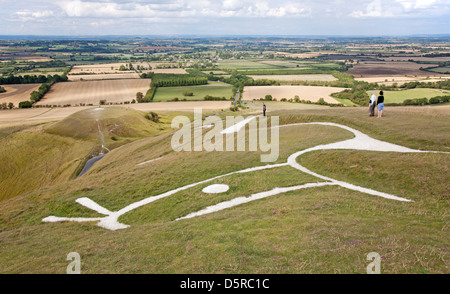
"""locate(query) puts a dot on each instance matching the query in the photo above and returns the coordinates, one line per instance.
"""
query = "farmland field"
(312, 77)
(277, 71)
(255, 65)
(215, 89)
(111, 76)
(441, 69)
(299, 55)
(400, 96)
(368, 69)
(416, 58)
(17, 93)
(105, 68)
(91, 92)
(389, 80)
(42, 72)
(33, 58)
(304, 92)
(244, 64)
(177, 71)
(281, 63)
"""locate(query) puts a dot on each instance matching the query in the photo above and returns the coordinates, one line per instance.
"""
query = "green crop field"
(445, 70)
(402, 95)
(242, 64)
(215, 89)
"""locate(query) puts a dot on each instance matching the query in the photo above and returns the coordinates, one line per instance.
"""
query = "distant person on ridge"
(380, 104)
(264, 109)
(373, 100)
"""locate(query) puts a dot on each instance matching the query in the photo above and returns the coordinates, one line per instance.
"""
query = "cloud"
(232, 4)
(225, 16)
(373, 9)
(33, 15)
(402, 8)
(181, 8)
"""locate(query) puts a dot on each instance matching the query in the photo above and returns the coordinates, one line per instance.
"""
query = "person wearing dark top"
(264, 109)
(380, 104)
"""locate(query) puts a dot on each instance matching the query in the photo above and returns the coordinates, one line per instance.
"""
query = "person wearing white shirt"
(372, 103)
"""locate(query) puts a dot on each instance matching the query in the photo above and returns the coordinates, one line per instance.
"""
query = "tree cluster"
(32, 79)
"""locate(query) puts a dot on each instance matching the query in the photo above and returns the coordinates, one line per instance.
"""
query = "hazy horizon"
(364, 18)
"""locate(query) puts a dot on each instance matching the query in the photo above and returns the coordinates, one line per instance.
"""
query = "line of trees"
(4, 106)
(148, 97)
(36, 96)
(32, 79)
(168, 80)
(179, 82)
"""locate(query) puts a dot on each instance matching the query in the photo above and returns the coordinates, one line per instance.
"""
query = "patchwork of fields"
(110, 71)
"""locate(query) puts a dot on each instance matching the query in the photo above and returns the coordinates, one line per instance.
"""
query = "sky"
(225, 17)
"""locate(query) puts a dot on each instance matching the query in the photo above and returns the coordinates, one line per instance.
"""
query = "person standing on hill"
(373, 100)
(264, 109)
(380, 104)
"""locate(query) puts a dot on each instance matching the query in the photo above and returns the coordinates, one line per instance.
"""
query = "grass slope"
(318, 230)
(35, 156)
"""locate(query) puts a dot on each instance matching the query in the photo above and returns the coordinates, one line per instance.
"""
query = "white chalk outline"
(359, 142)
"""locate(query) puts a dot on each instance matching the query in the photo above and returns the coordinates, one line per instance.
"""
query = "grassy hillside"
(35, 156)
(316, 230)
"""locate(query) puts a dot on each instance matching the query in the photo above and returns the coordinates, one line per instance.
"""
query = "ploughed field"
(284, 78)
(384, 68)
(310, 93)
(91, 92)
(17, 93)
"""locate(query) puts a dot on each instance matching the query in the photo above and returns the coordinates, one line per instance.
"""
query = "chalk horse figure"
(360, 141)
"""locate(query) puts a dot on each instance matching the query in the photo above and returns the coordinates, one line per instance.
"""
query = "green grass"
(216, 89)
(244, 65)
(441, 69)
(402, 95)
(316, 230)
(346, 102)
(36, 156)
(283, 71)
